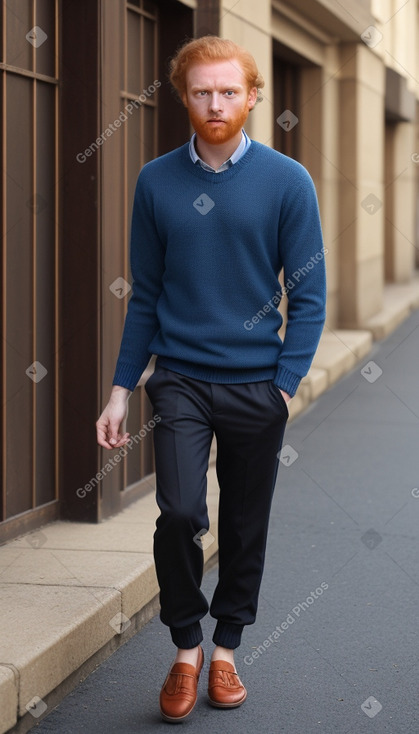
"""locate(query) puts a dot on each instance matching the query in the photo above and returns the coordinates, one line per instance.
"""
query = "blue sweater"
(206, 252)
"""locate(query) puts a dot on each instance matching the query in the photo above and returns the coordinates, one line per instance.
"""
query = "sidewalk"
(334, 648)
(72, 593)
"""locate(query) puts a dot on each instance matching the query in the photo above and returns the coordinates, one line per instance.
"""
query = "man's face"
(218, 100)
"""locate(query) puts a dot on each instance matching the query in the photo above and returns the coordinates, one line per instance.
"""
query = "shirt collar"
(244, 142)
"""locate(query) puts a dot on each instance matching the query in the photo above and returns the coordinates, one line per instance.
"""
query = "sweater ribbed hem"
(227, 634)
(187, 637)
(217, 374)
(127, 375)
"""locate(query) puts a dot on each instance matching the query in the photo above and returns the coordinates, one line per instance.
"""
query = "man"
(214, 222)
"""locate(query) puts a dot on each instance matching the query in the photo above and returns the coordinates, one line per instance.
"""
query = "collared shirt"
(240, 150)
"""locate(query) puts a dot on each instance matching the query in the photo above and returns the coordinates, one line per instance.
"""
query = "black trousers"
(248, 421)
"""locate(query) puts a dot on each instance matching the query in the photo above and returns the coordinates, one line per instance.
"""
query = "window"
(29, 209)
(140, 71)
(286, 104)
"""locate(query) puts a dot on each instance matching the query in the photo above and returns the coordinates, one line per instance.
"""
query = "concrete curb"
(72, 593)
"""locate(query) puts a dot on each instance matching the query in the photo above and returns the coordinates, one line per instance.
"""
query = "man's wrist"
(120, 391)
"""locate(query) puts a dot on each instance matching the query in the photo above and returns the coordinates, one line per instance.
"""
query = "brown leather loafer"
(179, 692)
(225, 689)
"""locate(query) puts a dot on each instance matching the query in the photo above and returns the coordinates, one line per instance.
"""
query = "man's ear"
(253, 95)
(184, 99)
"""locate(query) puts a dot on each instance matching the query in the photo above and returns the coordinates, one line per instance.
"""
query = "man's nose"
(215, 104)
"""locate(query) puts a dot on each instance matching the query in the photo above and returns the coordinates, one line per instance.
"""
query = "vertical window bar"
(125, 185)
(56, 256)
(143, 463)
(3, 290)
(141, 120)
(156, 66)
(34, 257)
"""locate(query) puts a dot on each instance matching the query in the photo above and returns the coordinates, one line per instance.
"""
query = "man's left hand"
(285, 395)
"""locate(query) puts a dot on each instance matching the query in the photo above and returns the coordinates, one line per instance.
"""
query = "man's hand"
(108, 426)
(285, 395)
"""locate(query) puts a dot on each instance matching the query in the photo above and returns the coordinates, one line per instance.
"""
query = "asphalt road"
(335, 647)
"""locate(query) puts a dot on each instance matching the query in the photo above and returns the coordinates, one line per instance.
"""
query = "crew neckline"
(213, 177)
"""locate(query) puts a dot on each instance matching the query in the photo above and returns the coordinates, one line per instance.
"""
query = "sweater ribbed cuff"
(126, 376)
(287, 381)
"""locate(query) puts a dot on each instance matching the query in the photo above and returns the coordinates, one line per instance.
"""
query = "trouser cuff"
(187, 637)
(227, 634)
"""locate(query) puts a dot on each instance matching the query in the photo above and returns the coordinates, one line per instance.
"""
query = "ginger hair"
(207, 49)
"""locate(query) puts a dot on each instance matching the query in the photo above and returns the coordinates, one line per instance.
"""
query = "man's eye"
(230, 92)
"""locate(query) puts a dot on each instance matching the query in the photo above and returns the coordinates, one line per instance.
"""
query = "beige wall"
(361, 142)
(320, 154)
(251, 29)
(415, 161)
(400, 202)
(397, 21)
(366, 179)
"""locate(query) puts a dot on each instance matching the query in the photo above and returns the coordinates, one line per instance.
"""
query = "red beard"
(217, 135)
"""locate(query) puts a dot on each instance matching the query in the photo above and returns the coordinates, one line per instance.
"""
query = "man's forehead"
(216, 72)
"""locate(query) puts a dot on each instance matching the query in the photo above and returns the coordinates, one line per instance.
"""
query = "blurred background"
(85, 104)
